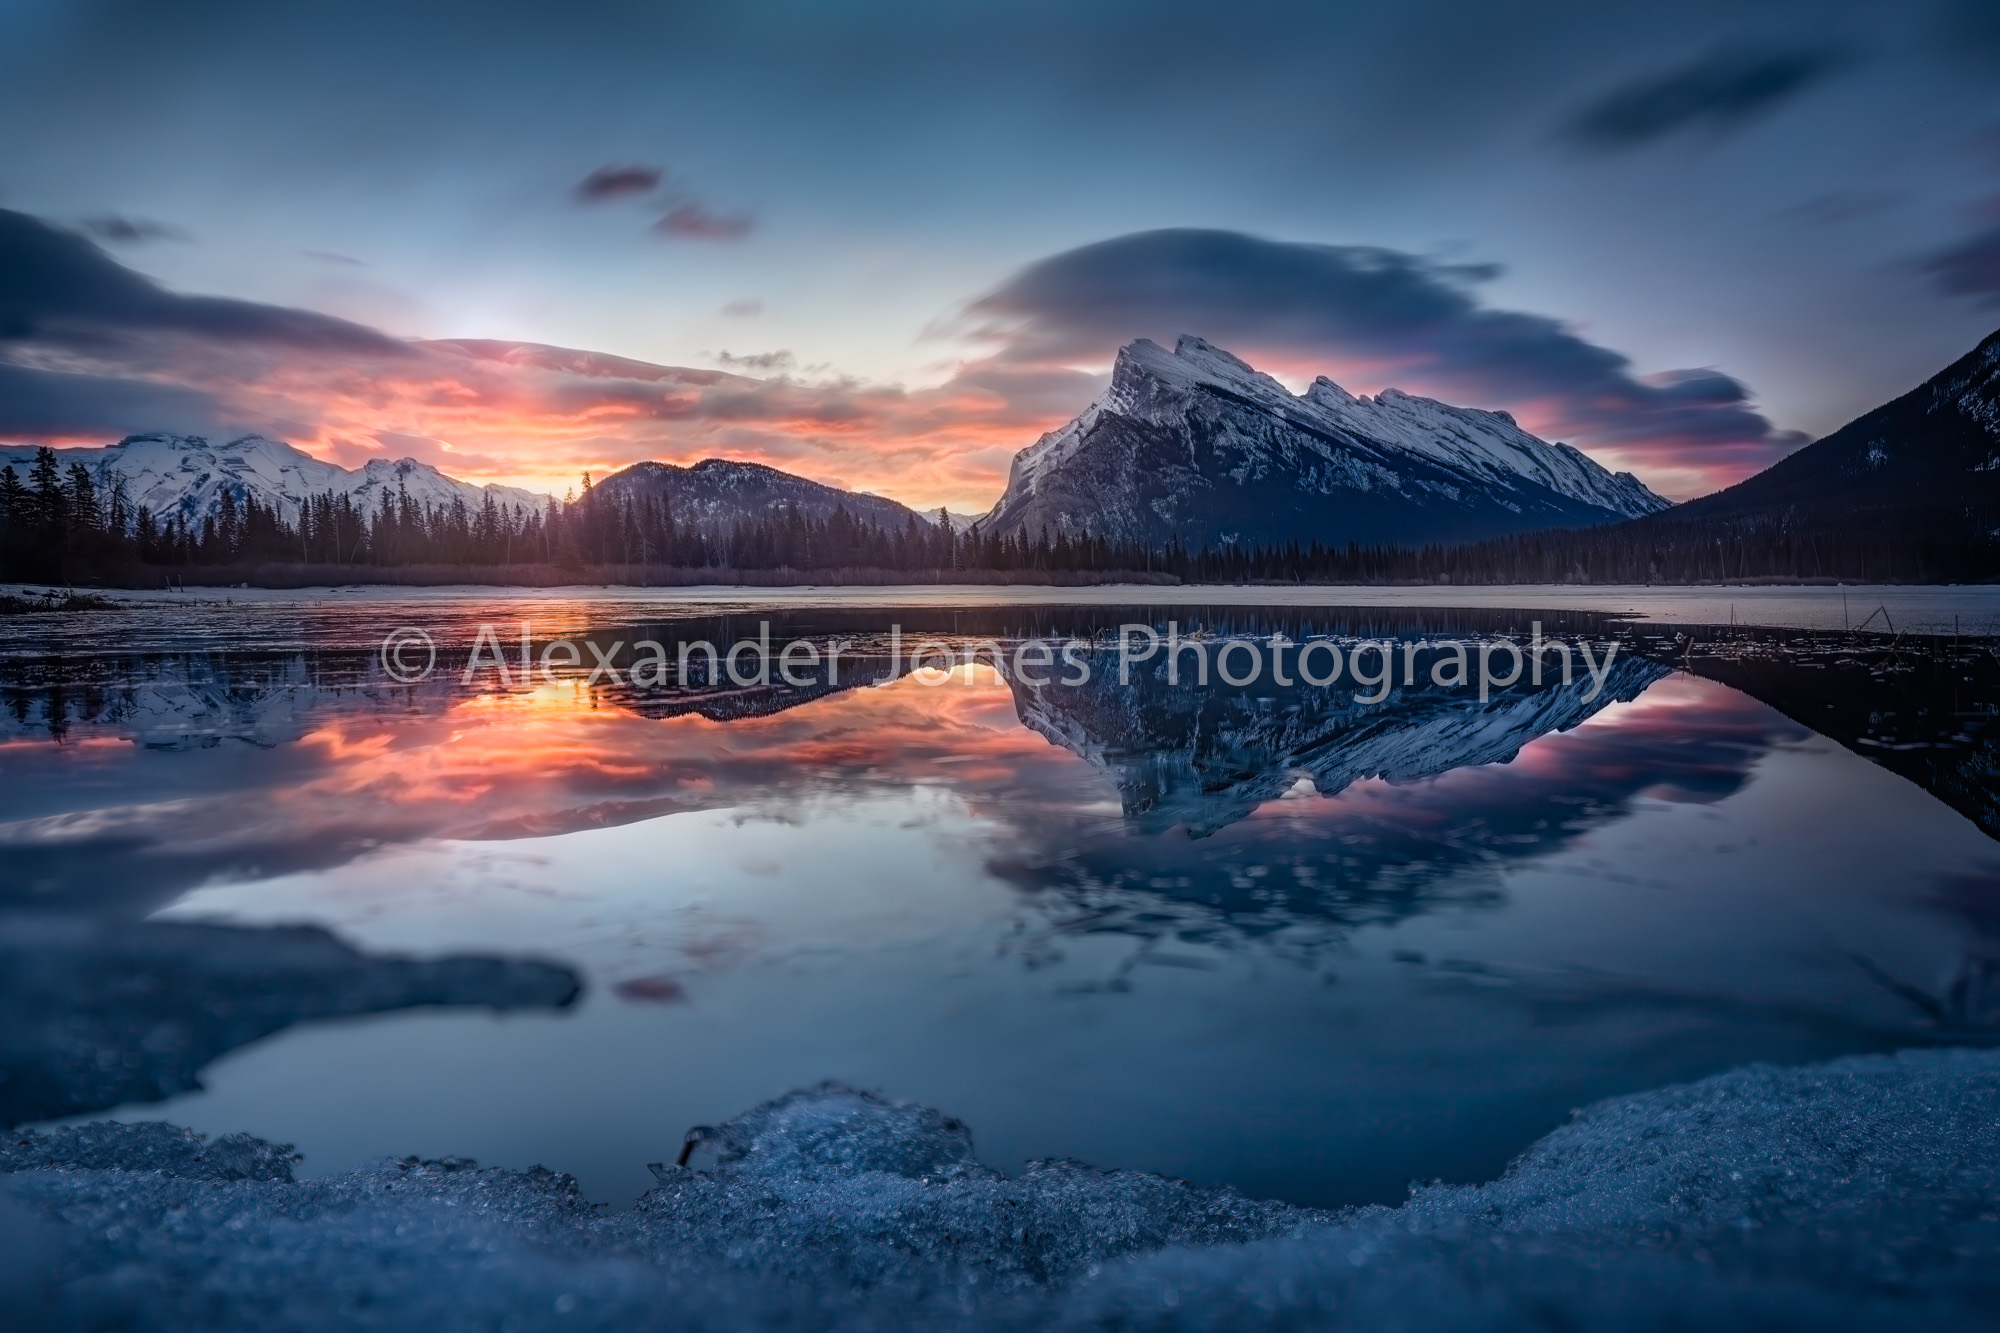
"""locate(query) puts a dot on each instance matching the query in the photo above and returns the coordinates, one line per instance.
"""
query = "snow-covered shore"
(1864, 1193)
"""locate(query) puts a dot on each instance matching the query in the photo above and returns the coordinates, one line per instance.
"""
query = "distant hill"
(716, 492)
(1198, 448)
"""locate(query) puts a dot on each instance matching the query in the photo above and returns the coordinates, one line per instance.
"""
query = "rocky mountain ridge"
(1196, 446)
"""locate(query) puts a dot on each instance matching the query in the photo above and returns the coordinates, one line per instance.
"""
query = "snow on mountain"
(1198, 446)
(188, 476)
(1484, 443)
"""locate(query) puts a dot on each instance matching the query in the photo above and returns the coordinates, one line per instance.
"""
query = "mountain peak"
(1324, 392)
(1144, 367)
(715, 492)
(1205, 354)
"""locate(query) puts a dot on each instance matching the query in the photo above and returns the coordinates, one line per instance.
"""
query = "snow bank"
(1863, 1193)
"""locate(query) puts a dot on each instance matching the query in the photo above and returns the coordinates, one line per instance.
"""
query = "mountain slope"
(1198, 447)
(1909, 492)
(186, 475)
(1926, 464)
(716, 491)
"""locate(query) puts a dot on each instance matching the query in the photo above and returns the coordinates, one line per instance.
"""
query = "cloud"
(1719, 92)
(331, 257)
(48, 406)
(745, 309)
(132, 231)
(94, 350)
(1374, 316)
(1842, 206)
(608, 183)
(90, 351)
(694, 222)
(1970, 268)
(56, 286)
(766, 362)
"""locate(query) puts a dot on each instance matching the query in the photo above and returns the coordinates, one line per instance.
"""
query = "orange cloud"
(540, 416)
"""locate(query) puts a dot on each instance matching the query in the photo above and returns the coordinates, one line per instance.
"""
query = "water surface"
(1264, 935)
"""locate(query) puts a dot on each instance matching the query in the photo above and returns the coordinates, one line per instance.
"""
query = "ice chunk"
(859, 1191)
(833, 1131)
(103, 1013)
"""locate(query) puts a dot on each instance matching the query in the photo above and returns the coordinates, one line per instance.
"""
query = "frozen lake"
(1268, 935)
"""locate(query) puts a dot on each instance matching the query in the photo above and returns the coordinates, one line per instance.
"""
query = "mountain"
(1198, 447)
(187, 475)
(1926, 464)
(1906, 493)
(716, 491)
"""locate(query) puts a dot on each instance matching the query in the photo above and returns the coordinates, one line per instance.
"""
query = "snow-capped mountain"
(1198, 446)
(187, 475)
(717, 491)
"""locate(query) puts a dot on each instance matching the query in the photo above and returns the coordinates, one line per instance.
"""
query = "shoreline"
(1972, 610)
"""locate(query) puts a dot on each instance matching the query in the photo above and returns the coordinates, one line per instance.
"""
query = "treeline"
(1781, 545)
(62, 525)
(59, 525)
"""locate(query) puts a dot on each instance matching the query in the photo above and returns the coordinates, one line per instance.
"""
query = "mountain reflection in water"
(1452, 881)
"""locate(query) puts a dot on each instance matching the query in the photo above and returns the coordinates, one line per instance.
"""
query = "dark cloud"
(745, 309)
(38, 403)
(55, 286)
(1379, 312)
(1718, 92)
(694, 222)
(132, 231)
(618, 183)
(765, 363)
(1841, 206)
(1970, 268)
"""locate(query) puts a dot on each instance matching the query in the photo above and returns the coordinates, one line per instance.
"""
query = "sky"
(887, 245)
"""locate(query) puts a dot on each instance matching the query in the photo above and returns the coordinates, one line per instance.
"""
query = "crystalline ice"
(149, 1146)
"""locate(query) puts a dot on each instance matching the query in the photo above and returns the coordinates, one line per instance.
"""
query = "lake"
(1066, 867)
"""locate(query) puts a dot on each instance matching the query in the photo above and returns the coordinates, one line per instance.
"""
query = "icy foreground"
(1859, 1194)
